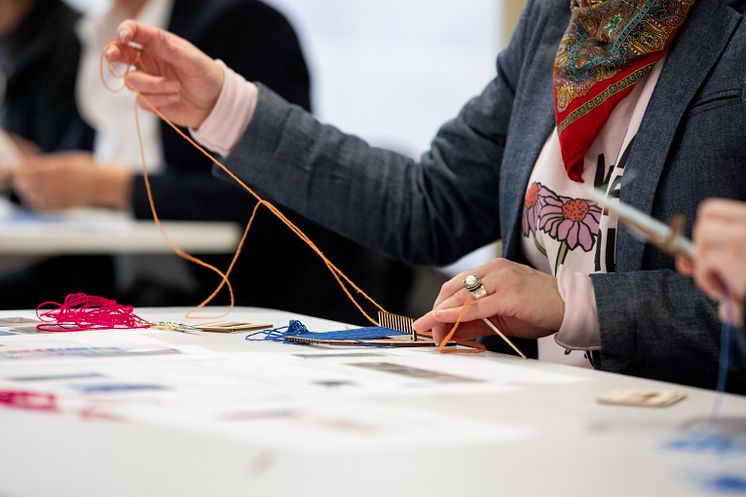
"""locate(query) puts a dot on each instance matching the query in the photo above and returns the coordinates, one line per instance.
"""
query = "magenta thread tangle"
(81, 312)
(28, 400)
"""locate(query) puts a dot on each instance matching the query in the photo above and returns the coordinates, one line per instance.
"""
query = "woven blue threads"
(293, 328)
(739, 341)
(298, 329)
(727, 334)
(728, 337)
(369, 333)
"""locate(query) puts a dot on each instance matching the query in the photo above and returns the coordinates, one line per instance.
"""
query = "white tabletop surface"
(89, 231)
(536, 430)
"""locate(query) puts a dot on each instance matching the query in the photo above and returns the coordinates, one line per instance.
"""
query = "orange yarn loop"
(342, 279)
(475, 347)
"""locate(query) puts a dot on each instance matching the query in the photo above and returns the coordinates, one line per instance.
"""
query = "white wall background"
(392, 71)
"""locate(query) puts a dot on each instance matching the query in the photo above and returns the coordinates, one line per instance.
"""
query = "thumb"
(137, 32)
(684, 265)
(160, 44)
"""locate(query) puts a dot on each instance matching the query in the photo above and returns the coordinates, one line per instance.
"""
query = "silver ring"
(474, 286)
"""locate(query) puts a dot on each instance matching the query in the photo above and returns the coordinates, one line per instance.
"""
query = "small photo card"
(641, 398)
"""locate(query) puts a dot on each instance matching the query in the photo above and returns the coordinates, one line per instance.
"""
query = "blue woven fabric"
(298, 329)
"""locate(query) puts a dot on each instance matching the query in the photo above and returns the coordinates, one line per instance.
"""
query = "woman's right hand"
(181, 81)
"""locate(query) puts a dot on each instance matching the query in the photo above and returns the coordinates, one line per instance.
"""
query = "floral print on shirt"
(573, 222)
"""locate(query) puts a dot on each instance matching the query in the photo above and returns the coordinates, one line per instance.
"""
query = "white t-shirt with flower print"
(566, 235)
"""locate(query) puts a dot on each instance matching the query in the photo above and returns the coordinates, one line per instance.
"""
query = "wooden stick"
(665, 237)
(502, 335)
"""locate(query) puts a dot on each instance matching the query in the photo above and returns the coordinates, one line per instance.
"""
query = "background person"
(38, 63)
(39, 54)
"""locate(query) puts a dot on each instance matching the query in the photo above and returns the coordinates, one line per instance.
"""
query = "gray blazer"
(467, 190)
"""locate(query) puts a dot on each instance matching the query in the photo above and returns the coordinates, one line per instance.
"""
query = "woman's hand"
(720, 252)
(521, 301)
(175, 76)
(65, 180)
(20, 149)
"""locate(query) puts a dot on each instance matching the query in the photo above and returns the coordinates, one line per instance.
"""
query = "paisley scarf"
(609, 47)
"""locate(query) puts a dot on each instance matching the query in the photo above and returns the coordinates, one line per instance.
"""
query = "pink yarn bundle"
(28, 400)
(81, 312)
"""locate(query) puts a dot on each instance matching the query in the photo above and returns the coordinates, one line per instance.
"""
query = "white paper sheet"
(305, 398)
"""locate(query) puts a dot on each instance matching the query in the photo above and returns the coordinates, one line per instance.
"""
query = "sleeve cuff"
(580, 329)
(231, 115)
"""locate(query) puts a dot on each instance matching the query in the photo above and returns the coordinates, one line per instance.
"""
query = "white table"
(559, 441)
(92, 231)
(26, 238)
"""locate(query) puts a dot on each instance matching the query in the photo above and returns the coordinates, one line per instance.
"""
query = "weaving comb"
(397, 323)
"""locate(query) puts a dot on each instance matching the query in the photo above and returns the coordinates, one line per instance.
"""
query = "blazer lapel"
(530, 128)
(692, 56)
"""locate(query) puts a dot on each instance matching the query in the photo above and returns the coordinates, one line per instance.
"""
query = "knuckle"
(707, 205)
(498, 263)
(510, 274)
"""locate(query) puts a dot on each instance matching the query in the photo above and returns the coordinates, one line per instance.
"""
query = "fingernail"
(110, 52)
(416, 325)
(122, 34)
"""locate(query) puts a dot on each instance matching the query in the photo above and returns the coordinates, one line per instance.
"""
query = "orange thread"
(342, 279)
(475, 348)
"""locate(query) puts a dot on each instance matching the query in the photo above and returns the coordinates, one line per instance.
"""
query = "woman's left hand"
(719, 266)
(521, 301)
